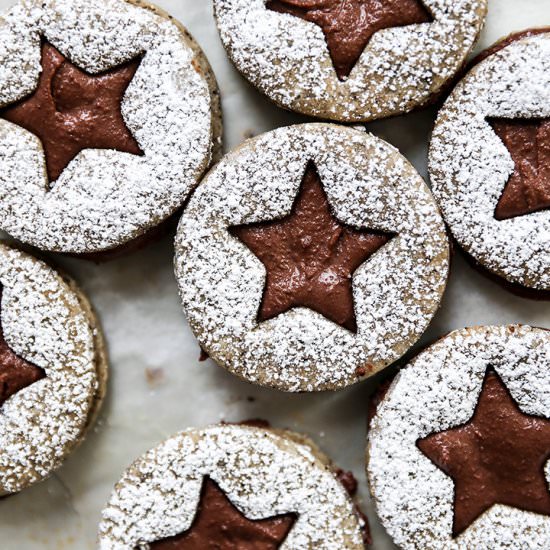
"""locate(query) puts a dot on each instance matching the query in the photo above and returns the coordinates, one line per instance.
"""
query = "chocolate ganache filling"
(72, 110)
(497, 457)
(348, 25)
(528, 189)
(310, 257)
(218, 524)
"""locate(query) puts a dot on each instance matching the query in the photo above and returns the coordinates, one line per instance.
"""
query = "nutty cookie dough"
(231, 486)
(349, 60)
(109, 116)
(490, 161)
(310, 258)
(459, 445)
(53, 369)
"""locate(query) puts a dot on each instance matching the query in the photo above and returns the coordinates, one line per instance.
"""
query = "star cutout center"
(71, 110)
(309, 256)
(497, 457)
(219, 524)
(528, 189)
(348, 25)
(15, 372)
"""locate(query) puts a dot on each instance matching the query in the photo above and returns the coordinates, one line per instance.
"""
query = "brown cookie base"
(151, 237)
(514, 288)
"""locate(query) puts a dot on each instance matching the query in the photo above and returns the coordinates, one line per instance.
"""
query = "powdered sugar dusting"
(437, 391)
(43, 322)
(396, 292)
(262, 473)
(103, 198)
(400, 69)
(470, 165)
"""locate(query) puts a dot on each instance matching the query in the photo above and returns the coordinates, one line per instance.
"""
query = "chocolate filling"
(218, 524)
(497, 457)
(528, 189)
(309, 256)
(348, 25)
(71, 110)
(15, 373)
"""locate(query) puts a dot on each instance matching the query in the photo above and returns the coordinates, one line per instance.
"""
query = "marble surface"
(157, 384)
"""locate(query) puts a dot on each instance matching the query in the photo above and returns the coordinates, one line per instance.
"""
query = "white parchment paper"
(157, 384)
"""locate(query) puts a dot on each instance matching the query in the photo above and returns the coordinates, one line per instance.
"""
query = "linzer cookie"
(349, 60)
(231, 487)
(310, 258)
(459, 446)
(53, 369)
(490, 162)
(109, 115)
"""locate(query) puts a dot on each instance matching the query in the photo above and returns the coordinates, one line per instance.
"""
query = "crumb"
(154, 376)
(196, 66)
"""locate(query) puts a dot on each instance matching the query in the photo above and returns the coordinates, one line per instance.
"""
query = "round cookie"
(310, 258)
(490, 164)
(227, 486)
(353, 60)
(53, 369)
(458, 448)
(129, 120)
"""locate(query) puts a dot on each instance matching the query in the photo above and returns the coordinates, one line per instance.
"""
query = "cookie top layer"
(401, 68)
(368, 184)
(471, 165)
(103, 198)
(263, 474)
(44, 323)
(439, 391)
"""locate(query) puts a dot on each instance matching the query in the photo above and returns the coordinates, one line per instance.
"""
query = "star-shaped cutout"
(348, 25)
(72, 110)
(309, 256)
(528, 189)
(497, 457)
(15, 372)
(218, 524)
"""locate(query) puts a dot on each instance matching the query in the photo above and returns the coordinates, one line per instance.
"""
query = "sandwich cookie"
(229, 487)
(53, 369)
(109, 116)
(459, 445)
(310, 258)
(349, 60)
(490, 162)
